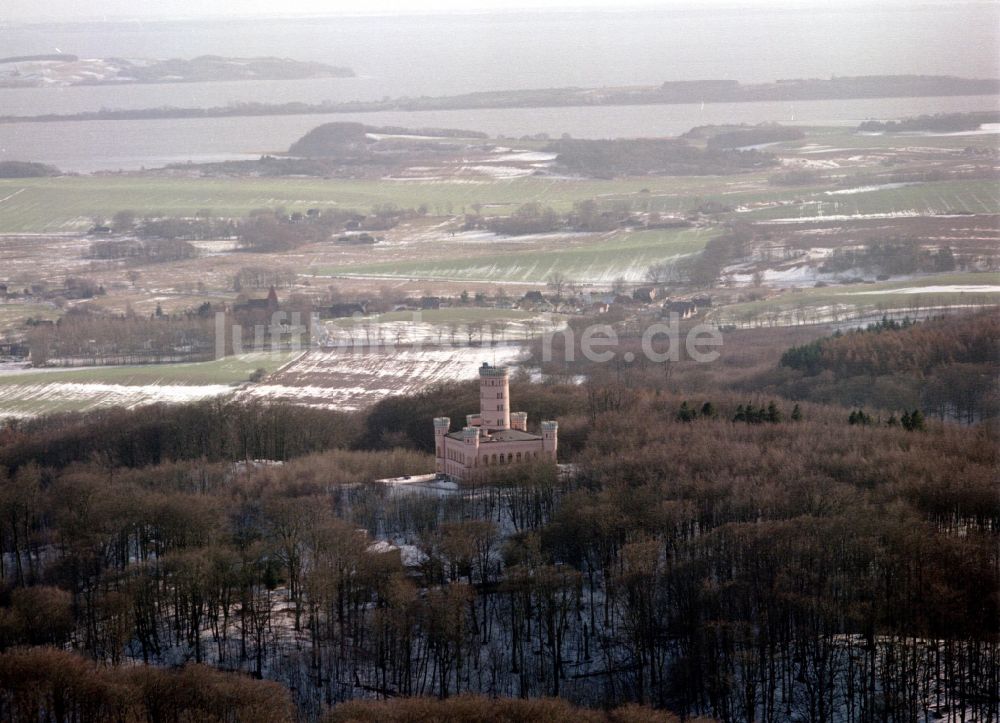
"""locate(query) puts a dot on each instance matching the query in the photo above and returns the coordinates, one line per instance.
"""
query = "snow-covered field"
(22, 400)
(371, 332)
(345, 380)
(341, 379)
(948, 289)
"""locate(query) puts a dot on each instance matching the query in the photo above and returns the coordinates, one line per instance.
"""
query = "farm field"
(69, 203)
(919, 199)
(30, 392)
(599, 259)
(334, 379)
(13, 315)
(440, 326)
(839, 137)
(348, 380)
(915, 295)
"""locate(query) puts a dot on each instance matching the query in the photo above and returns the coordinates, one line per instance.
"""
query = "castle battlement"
(490, 371)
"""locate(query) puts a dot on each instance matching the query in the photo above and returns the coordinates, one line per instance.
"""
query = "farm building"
(495, 436)
(345, 309)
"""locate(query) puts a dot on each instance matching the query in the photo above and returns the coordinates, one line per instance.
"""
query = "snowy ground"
(944, 289)
(346, 380)
(30, 399)
(342, 379)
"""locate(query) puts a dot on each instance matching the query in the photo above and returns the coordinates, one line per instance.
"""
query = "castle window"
(518, 456)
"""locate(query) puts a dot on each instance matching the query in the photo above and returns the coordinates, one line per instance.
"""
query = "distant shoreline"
(670, 93)
(65, 70)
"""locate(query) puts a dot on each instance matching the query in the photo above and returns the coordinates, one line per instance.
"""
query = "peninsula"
(669, 93)
(38, 71)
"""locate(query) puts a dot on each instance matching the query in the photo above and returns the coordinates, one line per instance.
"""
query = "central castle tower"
(494, 398)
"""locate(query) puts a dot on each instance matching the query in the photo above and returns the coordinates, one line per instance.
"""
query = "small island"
(37, 71)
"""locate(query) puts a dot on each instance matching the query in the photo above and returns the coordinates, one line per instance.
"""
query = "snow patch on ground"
(943, 289)
(500, 172)
(912, 213)
(869, 189)
(526, 157)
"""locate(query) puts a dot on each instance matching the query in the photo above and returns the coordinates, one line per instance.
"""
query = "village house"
(495, 436)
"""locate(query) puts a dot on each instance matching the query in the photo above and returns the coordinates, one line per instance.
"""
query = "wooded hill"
(948, 367)
(710, 552)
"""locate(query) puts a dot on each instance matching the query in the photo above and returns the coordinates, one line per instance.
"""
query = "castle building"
(495, 436)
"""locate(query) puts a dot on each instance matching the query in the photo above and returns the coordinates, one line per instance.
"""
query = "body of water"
(86, 146)
(443, 55)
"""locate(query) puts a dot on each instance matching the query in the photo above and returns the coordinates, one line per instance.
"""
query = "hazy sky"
(19, 10)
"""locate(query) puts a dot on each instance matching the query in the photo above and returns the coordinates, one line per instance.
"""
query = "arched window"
(510, 457)
(494, 459)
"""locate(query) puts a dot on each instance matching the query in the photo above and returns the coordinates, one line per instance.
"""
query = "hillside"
(948, 367)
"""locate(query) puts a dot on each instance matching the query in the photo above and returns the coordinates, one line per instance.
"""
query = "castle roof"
(502, 435)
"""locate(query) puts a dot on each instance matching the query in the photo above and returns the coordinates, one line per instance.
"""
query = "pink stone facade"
(494, 436)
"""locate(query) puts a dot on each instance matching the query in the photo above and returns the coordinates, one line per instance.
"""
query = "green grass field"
(841, 137)
(949, 197)
(623, 254)
(70, 203)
